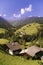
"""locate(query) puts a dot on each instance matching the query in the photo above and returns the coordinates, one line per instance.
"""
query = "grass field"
(2, 30)
(6, 59)
(4, 41)
(29, 28)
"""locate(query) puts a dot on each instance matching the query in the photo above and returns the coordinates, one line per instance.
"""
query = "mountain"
(22, 22)
(5, 24)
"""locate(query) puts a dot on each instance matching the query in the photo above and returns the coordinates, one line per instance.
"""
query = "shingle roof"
(32, 50)
(13, 46)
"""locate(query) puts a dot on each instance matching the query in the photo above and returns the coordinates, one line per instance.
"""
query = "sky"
(17, 9)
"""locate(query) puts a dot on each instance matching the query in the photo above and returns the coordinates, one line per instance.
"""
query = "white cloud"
(29, 9)
(26, 9)
(17, 16)
(22, 11)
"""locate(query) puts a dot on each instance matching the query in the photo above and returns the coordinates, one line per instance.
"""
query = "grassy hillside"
(6, 59)
(6, 29)
(30, 29)
(2, 30)
(6, 25)
(4, 41)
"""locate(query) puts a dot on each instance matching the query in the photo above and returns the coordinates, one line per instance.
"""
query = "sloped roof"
(31, 50)
(13, 46)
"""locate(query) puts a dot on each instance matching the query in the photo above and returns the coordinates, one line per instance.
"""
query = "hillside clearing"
(30, 29)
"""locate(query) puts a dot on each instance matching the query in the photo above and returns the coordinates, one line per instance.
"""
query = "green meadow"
(30, 29)
(2, 30)
(3, 41)
(6, 59)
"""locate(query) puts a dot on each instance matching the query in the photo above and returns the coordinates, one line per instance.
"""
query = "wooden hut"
(32, 52)
(13, 48)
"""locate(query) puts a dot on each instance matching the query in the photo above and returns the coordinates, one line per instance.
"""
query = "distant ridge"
(22, 22)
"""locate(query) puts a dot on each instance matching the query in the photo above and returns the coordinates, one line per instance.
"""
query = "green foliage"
(4, 41)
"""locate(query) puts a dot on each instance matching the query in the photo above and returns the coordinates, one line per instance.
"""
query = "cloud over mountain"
(17, 15)
(23, 10)
(26, 9)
